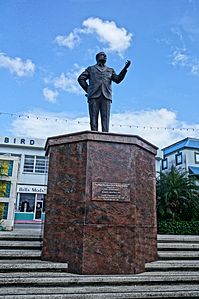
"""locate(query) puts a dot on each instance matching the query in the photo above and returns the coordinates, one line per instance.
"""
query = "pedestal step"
(15, 244)
(103, 292)
(173, 265)
(67, 280)
(180, 246)
(30, 266)
(178, 255)
(24, 276)
(19, 254)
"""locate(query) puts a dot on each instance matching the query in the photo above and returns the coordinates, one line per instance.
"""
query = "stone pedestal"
(100, 207)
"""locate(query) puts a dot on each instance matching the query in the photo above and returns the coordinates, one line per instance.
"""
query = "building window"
(16, 155)
(27, 202)
(4, 210)
(7, 167)
(178, 158)
(41, 165)
(5, 188)
(42, 197)
(29, 163)
(164, 164)
(32, 203)
(197, 158)
(35, 164)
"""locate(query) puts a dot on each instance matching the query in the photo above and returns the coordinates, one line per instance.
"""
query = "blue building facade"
(183, 154)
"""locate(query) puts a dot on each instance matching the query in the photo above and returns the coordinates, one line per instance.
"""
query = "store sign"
(21, 141)
(31, 189)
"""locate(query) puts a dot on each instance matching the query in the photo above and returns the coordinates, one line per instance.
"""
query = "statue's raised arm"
(127, 64)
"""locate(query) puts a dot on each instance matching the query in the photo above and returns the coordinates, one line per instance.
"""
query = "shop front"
(30, 205)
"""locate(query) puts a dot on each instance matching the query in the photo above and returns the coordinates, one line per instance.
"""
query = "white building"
(183, 154)
(31, 184)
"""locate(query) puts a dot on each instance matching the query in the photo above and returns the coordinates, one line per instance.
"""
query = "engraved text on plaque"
(110, 191)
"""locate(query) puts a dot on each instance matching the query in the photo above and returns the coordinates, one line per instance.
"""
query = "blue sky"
(44, 45)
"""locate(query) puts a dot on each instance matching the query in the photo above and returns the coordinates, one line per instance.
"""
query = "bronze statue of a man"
(99, 91)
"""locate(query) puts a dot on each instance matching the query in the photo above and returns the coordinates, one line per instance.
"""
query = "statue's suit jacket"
(100, 80)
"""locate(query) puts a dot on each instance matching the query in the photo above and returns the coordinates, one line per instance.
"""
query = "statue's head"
(101, 57)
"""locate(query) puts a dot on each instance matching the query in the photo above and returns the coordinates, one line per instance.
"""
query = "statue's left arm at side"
(83, 77)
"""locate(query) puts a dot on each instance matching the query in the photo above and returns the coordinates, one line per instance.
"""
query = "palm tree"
(177, 195)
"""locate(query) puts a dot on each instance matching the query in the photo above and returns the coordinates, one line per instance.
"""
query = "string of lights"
(67, 120)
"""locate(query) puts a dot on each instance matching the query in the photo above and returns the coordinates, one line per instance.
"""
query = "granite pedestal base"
(100, 207)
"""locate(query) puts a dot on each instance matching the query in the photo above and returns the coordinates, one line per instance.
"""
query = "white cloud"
(181, 59)
(63, 82)
(50, 95)
(68, 82)
(69, 41)
(17, 65)
(195, 69)
(117, 39)
(42, 125)
(180, 54)
(149, 125)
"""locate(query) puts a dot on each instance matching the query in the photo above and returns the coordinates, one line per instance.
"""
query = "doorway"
(38, 210)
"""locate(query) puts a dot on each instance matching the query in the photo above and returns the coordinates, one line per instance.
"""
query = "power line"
(66, 120)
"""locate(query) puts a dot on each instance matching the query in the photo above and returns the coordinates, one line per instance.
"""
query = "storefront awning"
(194, 170)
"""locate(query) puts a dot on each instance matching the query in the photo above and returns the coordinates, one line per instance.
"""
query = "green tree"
(177, 195)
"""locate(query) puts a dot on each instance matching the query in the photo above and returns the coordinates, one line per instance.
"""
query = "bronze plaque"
(110, 191)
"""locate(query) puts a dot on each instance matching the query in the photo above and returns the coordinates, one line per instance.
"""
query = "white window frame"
(34, 165)
(196, 158)
(164, 161)
(177, 156)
